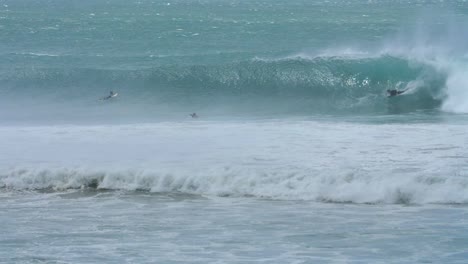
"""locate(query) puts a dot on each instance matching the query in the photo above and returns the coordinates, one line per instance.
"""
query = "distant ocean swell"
(333, 84)
(358, 186)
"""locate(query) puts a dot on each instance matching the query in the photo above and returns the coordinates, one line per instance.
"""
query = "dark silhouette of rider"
(394, 92)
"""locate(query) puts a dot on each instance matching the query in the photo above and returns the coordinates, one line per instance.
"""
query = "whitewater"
(297, 155)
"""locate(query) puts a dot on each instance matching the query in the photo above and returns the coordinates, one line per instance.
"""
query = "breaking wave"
(291, 184)
(297, 85)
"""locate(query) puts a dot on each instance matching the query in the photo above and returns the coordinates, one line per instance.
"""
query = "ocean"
(297, 155)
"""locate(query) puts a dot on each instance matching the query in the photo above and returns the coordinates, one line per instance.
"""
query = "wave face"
(300, 86)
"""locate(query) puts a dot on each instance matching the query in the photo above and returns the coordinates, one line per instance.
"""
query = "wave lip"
(288, 184)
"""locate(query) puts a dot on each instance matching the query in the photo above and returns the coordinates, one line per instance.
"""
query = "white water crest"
(286, 160)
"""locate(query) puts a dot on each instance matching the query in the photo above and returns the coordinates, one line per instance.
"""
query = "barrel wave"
(259, 87)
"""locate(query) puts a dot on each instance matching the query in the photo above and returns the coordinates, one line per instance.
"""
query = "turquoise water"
(298, 155)
(223, 58)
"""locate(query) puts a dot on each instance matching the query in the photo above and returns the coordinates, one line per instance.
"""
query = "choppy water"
(173, 228)
(298, 155)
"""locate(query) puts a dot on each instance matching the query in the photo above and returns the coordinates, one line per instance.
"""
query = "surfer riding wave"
(394, 92)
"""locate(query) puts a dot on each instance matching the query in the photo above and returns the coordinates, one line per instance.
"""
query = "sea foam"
(357, 186)
(285, 160)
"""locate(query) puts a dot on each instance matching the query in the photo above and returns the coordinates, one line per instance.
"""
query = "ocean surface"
(297, 154)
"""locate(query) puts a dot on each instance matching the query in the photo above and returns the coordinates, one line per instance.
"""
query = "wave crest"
(350, 187)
